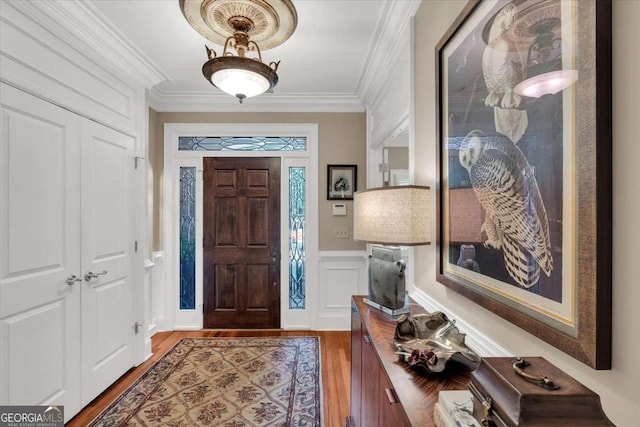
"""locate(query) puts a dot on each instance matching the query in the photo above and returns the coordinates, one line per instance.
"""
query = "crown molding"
(392, 39)
(215, 101)
(389, 138)
(80, 25)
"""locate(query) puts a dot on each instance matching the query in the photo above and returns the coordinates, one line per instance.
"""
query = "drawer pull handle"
(367, 339)
(391, 395)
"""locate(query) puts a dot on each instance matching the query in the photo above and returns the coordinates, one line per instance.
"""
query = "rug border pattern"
(179, 352)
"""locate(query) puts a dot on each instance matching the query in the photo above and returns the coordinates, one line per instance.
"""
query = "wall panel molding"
(82, 26)
(341, 275)
(47, 50)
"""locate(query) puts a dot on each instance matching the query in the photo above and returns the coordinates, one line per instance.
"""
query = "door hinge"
(136, 327)
(135, 246)
(135, 161)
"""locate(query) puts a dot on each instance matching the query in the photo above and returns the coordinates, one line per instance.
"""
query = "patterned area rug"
(232, 382)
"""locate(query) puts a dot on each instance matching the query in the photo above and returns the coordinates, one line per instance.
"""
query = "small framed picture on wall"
(341, 181)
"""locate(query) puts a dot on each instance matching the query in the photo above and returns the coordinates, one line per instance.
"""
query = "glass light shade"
(235, 81)
(546, 84)
(240, 77)
(393, 215)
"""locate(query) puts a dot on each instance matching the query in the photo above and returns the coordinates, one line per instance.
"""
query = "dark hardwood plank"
(335, 348)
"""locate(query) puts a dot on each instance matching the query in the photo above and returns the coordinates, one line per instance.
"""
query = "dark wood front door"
(241, 242)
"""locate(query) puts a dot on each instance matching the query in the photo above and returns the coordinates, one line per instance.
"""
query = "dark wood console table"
(385, 392)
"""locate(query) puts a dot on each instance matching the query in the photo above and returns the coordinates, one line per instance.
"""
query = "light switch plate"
(341, 232)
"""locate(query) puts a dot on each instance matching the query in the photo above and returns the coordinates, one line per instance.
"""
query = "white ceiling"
(325, 56)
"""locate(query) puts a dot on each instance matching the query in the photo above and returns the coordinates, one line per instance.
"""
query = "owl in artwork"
(503, 68)
(501, 65)
(515, 217)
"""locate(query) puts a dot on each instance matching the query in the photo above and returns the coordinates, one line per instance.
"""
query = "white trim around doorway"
(173, 159)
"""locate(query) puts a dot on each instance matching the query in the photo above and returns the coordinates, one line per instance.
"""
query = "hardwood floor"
(335, 347)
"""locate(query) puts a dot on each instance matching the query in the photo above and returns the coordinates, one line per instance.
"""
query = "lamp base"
(391, 311)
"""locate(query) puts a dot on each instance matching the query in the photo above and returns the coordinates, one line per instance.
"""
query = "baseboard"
(337, 322)
(147, 349)
(475, 340)
(186, 327)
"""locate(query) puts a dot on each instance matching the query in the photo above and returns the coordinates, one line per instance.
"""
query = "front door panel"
(241, 242)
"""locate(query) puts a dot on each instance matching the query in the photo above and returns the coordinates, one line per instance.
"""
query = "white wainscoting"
(159, 291)
(341, 274)
(155, 300)
(150, 326)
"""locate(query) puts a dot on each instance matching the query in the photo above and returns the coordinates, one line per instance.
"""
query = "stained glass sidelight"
(297, 199)
(187, 238)
(254, 143)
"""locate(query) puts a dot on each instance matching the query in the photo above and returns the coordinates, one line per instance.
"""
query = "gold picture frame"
(524, 191)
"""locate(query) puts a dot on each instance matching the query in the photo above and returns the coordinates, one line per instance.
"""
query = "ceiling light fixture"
(238, 25)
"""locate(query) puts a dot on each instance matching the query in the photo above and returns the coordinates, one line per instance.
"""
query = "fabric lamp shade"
(393, 215)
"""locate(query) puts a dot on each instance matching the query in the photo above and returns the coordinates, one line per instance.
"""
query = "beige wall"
(341, 140)
(398, 157)
(617, 387)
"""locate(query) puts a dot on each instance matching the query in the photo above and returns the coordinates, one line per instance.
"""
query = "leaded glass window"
(187, 238)
(297, 217)
(253, 143)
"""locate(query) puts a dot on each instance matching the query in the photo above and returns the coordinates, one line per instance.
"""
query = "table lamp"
(390, 217)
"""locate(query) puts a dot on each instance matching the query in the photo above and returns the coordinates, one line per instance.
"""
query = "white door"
(107, 252)
(39, 249)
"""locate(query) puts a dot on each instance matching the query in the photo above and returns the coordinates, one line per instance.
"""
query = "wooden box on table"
(504, 398)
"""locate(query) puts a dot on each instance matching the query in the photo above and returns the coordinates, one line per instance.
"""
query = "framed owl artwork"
(524, 158)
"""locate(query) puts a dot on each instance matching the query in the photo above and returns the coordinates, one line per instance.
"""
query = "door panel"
(107, 310)
(44, 327)
(39, 249)
(225, 289)
(258, 298)
(226, 224)
(241, 242)
(258, 213)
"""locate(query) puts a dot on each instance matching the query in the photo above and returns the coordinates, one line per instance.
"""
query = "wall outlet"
(341, 232)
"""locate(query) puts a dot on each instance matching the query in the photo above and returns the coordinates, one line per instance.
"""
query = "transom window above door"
(241, 143)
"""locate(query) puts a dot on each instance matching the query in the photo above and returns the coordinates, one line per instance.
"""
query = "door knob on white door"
(72, 278)
(91, 275)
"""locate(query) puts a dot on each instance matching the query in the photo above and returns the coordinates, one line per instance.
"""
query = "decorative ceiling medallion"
(273, 21)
